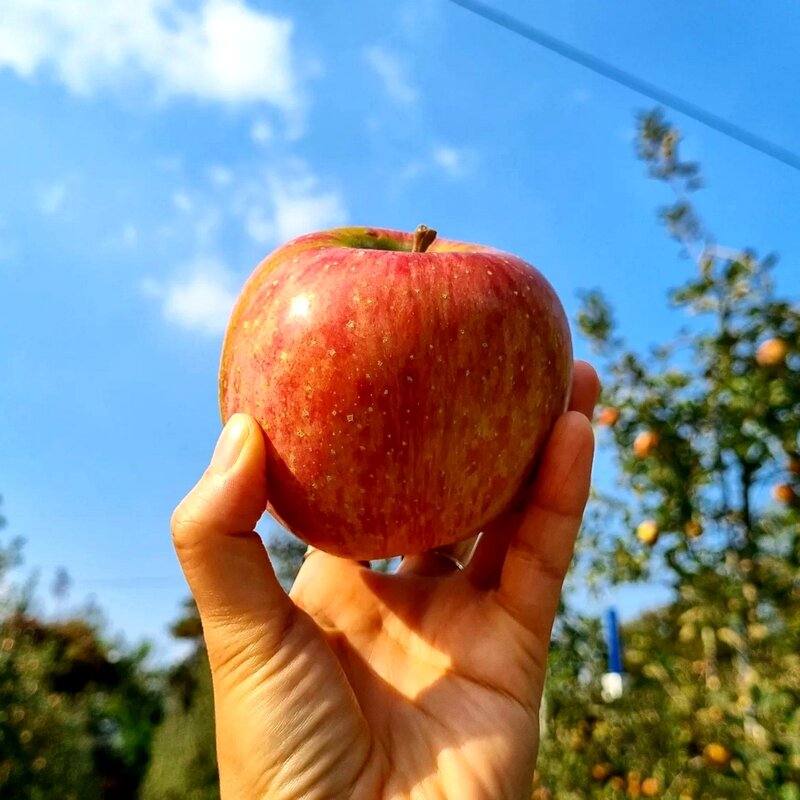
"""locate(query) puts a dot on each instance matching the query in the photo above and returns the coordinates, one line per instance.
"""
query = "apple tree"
(704, 433)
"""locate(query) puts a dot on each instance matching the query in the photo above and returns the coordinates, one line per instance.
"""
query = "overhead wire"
(631, 81)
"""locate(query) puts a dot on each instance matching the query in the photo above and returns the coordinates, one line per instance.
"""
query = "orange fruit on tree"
(600, 771)
(651, 787)
(771, 352)
(647, 532)
(717, 754)
(645, 443)
(607, 417)
(784, 493)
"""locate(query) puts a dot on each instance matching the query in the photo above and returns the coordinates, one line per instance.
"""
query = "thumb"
(241, 604)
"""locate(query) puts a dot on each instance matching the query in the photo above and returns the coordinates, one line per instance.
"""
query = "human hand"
(359, 684)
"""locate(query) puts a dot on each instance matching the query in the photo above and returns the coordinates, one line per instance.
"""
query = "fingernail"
(230, 444)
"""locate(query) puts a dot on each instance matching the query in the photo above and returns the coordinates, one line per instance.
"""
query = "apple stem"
(423, 239)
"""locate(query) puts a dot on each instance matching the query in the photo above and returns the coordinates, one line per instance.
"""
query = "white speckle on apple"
(385, 391)
(409, 379)
(350, 417)
(331, 352)
(351, 323)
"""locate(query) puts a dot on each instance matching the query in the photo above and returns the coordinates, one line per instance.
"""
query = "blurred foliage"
(77, 713)
(703, 431)
(184, 760)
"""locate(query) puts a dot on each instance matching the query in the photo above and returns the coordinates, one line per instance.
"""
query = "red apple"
(405, 395)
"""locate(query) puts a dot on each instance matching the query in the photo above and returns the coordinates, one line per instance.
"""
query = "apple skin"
(405, 396)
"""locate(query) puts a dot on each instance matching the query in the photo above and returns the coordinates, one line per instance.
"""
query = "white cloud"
(201, 302)
(51, 198)
(301, 208)
(394, 75)
(212, 50)
(287, 205)
(455, 161)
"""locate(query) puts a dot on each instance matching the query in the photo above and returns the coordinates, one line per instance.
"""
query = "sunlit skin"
(380, 374)
(363, 685)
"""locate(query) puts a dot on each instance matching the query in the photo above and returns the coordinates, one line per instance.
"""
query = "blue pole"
(614, 644)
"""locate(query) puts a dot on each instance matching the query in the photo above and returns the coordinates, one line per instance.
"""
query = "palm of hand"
(428, 679)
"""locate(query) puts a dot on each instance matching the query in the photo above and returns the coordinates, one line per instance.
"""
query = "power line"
(620, 76)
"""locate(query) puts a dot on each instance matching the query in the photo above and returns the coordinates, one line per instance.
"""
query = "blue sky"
(152, 152)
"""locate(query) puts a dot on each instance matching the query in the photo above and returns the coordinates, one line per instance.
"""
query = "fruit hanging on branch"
(405, 384)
